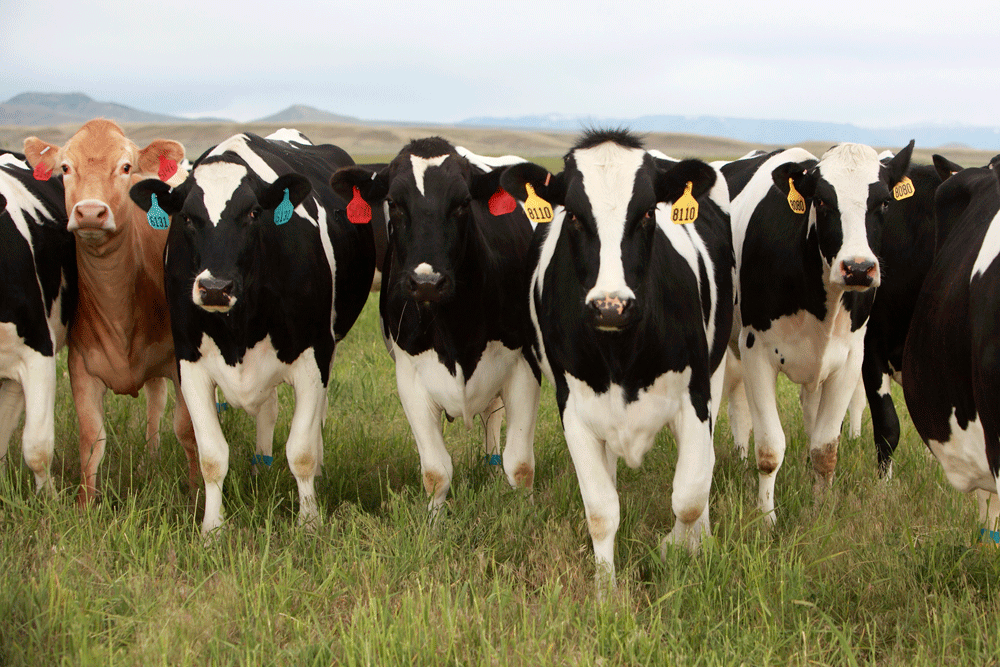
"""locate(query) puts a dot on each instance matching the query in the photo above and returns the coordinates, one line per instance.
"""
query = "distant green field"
(881, 572)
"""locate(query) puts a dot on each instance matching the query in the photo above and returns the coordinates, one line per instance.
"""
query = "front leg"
(824, 438)
(11, 407)
(185, 432)
(156, 403)
(266, 418)
(198, 392)
(424, 417)
(885, 422)
(38, 439)
(769, 438)
(692, 479)
(304, 448)
(88, 397)
(520, 396)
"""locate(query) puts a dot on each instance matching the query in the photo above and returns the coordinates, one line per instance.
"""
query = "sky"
(868, 63)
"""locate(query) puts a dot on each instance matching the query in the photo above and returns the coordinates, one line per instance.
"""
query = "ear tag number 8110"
(538, 209)
(685, 209)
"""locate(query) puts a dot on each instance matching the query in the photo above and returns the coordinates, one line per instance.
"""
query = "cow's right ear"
(360, 183)
(158, 200)
(546, 185)
(42, 156)
(945, 168)
(803, 178)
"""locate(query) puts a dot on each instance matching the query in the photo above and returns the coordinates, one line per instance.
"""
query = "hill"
(39, 109)
(300, 113)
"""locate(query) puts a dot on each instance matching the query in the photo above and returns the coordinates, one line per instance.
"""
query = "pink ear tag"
(168, 168)
(358, 211)
(42, 173)
(501, 203)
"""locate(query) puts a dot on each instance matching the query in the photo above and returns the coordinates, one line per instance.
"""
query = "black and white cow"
(37, 299)
(806, 235)
(264, 274)
(452, 303)
(951, 362)
(632, 314)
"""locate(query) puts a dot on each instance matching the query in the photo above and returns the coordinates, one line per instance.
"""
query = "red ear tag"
(501, 203)
(168, 168)
(42, 173)
(358, 211)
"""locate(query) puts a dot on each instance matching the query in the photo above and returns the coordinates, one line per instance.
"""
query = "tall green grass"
(879, 572)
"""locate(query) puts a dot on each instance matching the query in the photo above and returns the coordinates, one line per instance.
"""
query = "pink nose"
(91, 214)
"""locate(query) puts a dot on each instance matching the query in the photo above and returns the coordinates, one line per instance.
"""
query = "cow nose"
(858, 273)
(427, 287)
(91, 213)
(215, 291)
(611, 312)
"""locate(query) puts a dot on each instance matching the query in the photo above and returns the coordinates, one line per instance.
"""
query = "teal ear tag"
(283, 213)
(157, 217)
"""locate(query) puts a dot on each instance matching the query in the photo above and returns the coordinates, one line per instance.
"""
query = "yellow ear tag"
(796, 202)
(903, 189)
(685, 209)
(537, 208)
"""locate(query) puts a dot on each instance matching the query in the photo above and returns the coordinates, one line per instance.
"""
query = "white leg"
(520, 396)
(857, 409)
(692, 479)
(739, 410)
(304, 448)
(809, 400)
(198, 389)
(492, 418)
(11, 407)
(156, 403)
(769, 438)
(38, 440)
(425, 422)
(835, 396)
(989, 513)
(266, 418)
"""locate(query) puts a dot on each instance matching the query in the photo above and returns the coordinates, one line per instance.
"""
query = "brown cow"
(120, 336)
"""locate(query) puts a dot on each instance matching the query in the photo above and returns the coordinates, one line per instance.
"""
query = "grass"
(880, 572)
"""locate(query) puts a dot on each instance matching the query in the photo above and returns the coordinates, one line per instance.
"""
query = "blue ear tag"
(283, 213)
(157, 217)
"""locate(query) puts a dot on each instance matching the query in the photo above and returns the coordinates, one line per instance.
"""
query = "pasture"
(880, 572)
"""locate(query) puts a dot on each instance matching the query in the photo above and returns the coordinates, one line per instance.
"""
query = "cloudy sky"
(865, 62)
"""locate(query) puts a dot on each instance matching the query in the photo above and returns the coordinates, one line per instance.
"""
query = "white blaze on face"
(420, 167)
(218, 180)
(608, 173)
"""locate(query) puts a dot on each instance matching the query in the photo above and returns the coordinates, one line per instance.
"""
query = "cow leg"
(989, 512)
(266, 418)
(692, 479)
(760, 378)
(186, 435)
(809, 400)
(824, 438)
(88, 397)
(156, 403)
(304, 448)
(885, 422)
(739, 410)
(520, 396)
(857, 410)
(597, 488)
(198, 394)
(11, 407)
(717, 383)
(38, 439)
(492, 418)
(425, 422)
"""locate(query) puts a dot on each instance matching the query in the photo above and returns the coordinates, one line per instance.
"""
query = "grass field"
(880, 572)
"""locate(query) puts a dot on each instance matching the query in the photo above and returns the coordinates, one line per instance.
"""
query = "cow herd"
(646, 289)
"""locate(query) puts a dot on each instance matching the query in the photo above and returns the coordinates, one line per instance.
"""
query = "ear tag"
(41, 172)
(358, 210)
(796, 202)
(538, 209)
(168, 168)
(685, 209)
(283, 212)
(903, 189)
(157, 217)
(501, 203)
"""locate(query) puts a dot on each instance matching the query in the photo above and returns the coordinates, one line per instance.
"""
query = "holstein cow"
(37, 298)
(264, 276)
(951, 362)
(120, 335)
(631, 316)
(452, 303)
(806, 234)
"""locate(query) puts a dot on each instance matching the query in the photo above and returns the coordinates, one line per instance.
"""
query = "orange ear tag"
(168, 168)
(685, 209)
(796, 202)
(538, 209)
(358, 210)
(903, 189)
(501, 203)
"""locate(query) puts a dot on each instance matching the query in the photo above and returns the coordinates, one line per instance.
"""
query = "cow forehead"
(850, 169)
(218, 182)
(608, 174)
(98, 144)
(420, 165)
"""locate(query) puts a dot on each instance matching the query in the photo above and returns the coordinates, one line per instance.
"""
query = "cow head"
(847, 194)
(428, 191)
(607, 201)
(220, 219)
(98, 165)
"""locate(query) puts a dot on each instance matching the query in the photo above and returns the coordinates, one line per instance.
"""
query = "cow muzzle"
(859, 273)
(91, 219)
(428, 287)
(214, 294)
(611, 313)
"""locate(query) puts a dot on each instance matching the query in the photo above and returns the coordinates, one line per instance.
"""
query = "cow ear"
(162, 157)
(298, 187)
(897, 166)
(802, 175)
(372, 185)
(3, 202)
(671, 182)
(549, 187)
(166, 198)
(945, 168)
(42, 156)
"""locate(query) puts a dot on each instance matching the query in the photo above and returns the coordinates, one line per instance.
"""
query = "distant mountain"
(300, 113)
(756, 131)
(57, 108)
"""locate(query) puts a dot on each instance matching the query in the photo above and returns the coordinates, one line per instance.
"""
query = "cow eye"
(65, 168)
(884, 207)
(649, 216)
(126, 168)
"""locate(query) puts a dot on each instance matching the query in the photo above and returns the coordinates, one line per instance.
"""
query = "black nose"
(215, 291)
(428, 287)
(859, 274)
(611, 312)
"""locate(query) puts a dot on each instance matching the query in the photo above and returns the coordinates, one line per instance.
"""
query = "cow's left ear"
(42, 156)
(802, 175)
(944, 167)
(671, 182)
(298, 187)
(546, 185)
(897, 166)
(161, 157)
